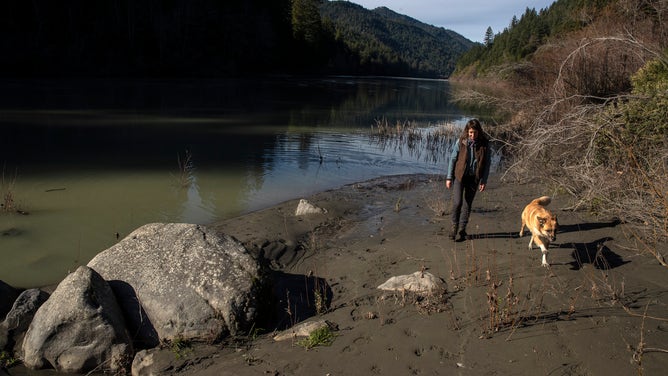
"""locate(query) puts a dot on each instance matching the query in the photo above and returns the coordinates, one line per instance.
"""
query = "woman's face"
(473, 134)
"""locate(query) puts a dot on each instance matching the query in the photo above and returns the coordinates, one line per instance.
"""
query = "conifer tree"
(489, 36)
(306, 22)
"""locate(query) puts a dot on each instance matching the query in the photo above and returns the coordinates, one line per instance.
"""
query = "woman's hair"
(474, 124)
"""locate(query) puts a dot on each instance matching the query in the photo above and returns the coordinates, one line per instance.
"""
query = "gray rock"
(19, 318)
(304, 207)
(8, 295)
(181, 281)
(303, 329)
(144, 364)
(419, 282)
(157, 362)
(79, 328)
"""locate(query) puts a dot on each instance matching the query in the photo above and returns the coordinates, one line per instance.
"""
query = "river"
(85, 162)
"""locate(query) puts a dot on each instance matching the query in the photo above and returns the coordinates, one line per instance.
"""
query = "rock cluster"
(162, 282)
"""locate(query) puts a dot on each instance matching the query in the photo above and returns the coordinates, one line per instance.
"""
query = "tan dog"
(542, 224)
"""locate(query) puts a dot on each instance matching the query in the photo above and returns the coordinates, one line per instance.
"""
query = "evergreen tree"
(306, 22)
(489, 36)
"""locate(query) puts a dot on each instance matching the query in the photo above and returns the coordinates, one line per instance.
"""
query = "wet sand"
(502, 313)
(589, 313)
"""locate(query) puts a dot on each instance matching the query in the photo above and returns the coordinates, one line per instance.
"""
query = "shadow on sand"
(296, 298)
(588, 226)
(595, 253)
(562, 229)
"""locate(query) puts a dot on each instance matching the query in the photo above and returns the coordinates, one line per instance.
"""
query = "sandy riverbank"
(563, 320)
(502, 314)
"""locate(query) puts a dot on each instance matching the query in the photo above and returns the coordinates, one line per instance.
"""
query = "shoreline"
(502, 313)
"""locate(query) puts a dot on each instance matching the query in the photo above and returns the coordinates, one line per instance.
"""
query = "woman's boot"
(453, 231)
(462, 234)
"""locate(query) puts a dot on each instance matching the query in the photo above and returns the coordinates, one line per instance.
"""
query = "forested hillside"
(525, 35)
(212, 38)
(581, 90)
(143, 37)
(384, 38)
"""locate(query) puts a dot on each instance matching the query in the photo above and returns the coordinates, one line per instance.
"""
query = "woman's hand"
(448, 184)
(482, 187)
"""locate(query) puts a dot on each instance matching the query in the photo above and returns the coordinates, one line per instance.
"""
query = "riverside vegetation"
(584, 107)
(581, 96)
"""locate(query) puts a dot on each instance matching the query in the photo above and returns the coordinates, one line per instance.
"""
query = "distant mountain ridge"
(383, 36)
(436, 31)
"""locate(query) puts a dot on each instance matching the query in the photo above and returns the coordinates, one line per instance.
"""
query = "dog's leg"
(531, 241)
(522, 229)
(543, 250)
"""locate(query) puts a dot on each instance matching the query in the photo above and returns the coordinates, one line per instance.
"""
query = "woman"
(467, 173)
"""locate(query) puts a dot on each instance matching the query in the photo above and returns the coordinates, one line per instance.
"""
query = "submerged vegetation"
(431, 144)
(7, 188)
(586, 111)
(186, 169)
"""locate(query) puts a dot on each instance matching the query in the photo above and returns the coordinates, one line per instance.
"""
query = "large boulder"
(79, 328)
(181, 281)
(19, 318)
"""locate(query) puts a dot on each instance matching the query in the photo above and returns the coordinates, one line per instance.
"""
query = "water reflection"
(195, 209)
(93, 159)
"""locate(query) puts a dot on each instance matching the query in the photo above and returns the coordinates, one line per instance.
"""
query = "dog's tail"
(542, 201)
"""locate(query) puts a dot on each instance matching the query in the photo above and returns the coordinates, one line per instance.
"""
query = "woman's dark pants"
(461, 209)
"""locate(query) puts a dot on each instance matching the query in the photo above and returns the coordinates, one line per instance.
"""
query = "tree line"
(213, 38)
(143, 37)
(525, 35)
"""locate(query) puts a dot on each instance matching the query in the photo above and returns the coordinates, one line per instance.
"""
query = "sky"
(469, 18)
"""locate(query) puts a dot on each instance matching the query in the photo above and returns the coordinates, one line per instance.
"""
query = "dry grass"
(436, 199)
(569, 120)
(541, 296)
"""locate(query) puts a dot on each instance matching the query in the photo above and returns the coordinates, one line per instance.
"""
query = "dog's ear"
(541, 221)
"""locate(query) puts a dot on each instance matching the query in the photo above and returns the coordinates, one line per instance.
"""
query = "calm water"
(85, 161)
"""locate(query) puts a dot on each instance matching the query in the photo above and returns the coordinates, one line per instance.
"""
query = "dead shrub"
(591, 119)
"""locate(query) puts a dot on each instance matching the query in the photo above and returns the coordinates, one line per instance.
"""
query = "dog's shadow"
(588, 226)
(595, 253)
(562, 229)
